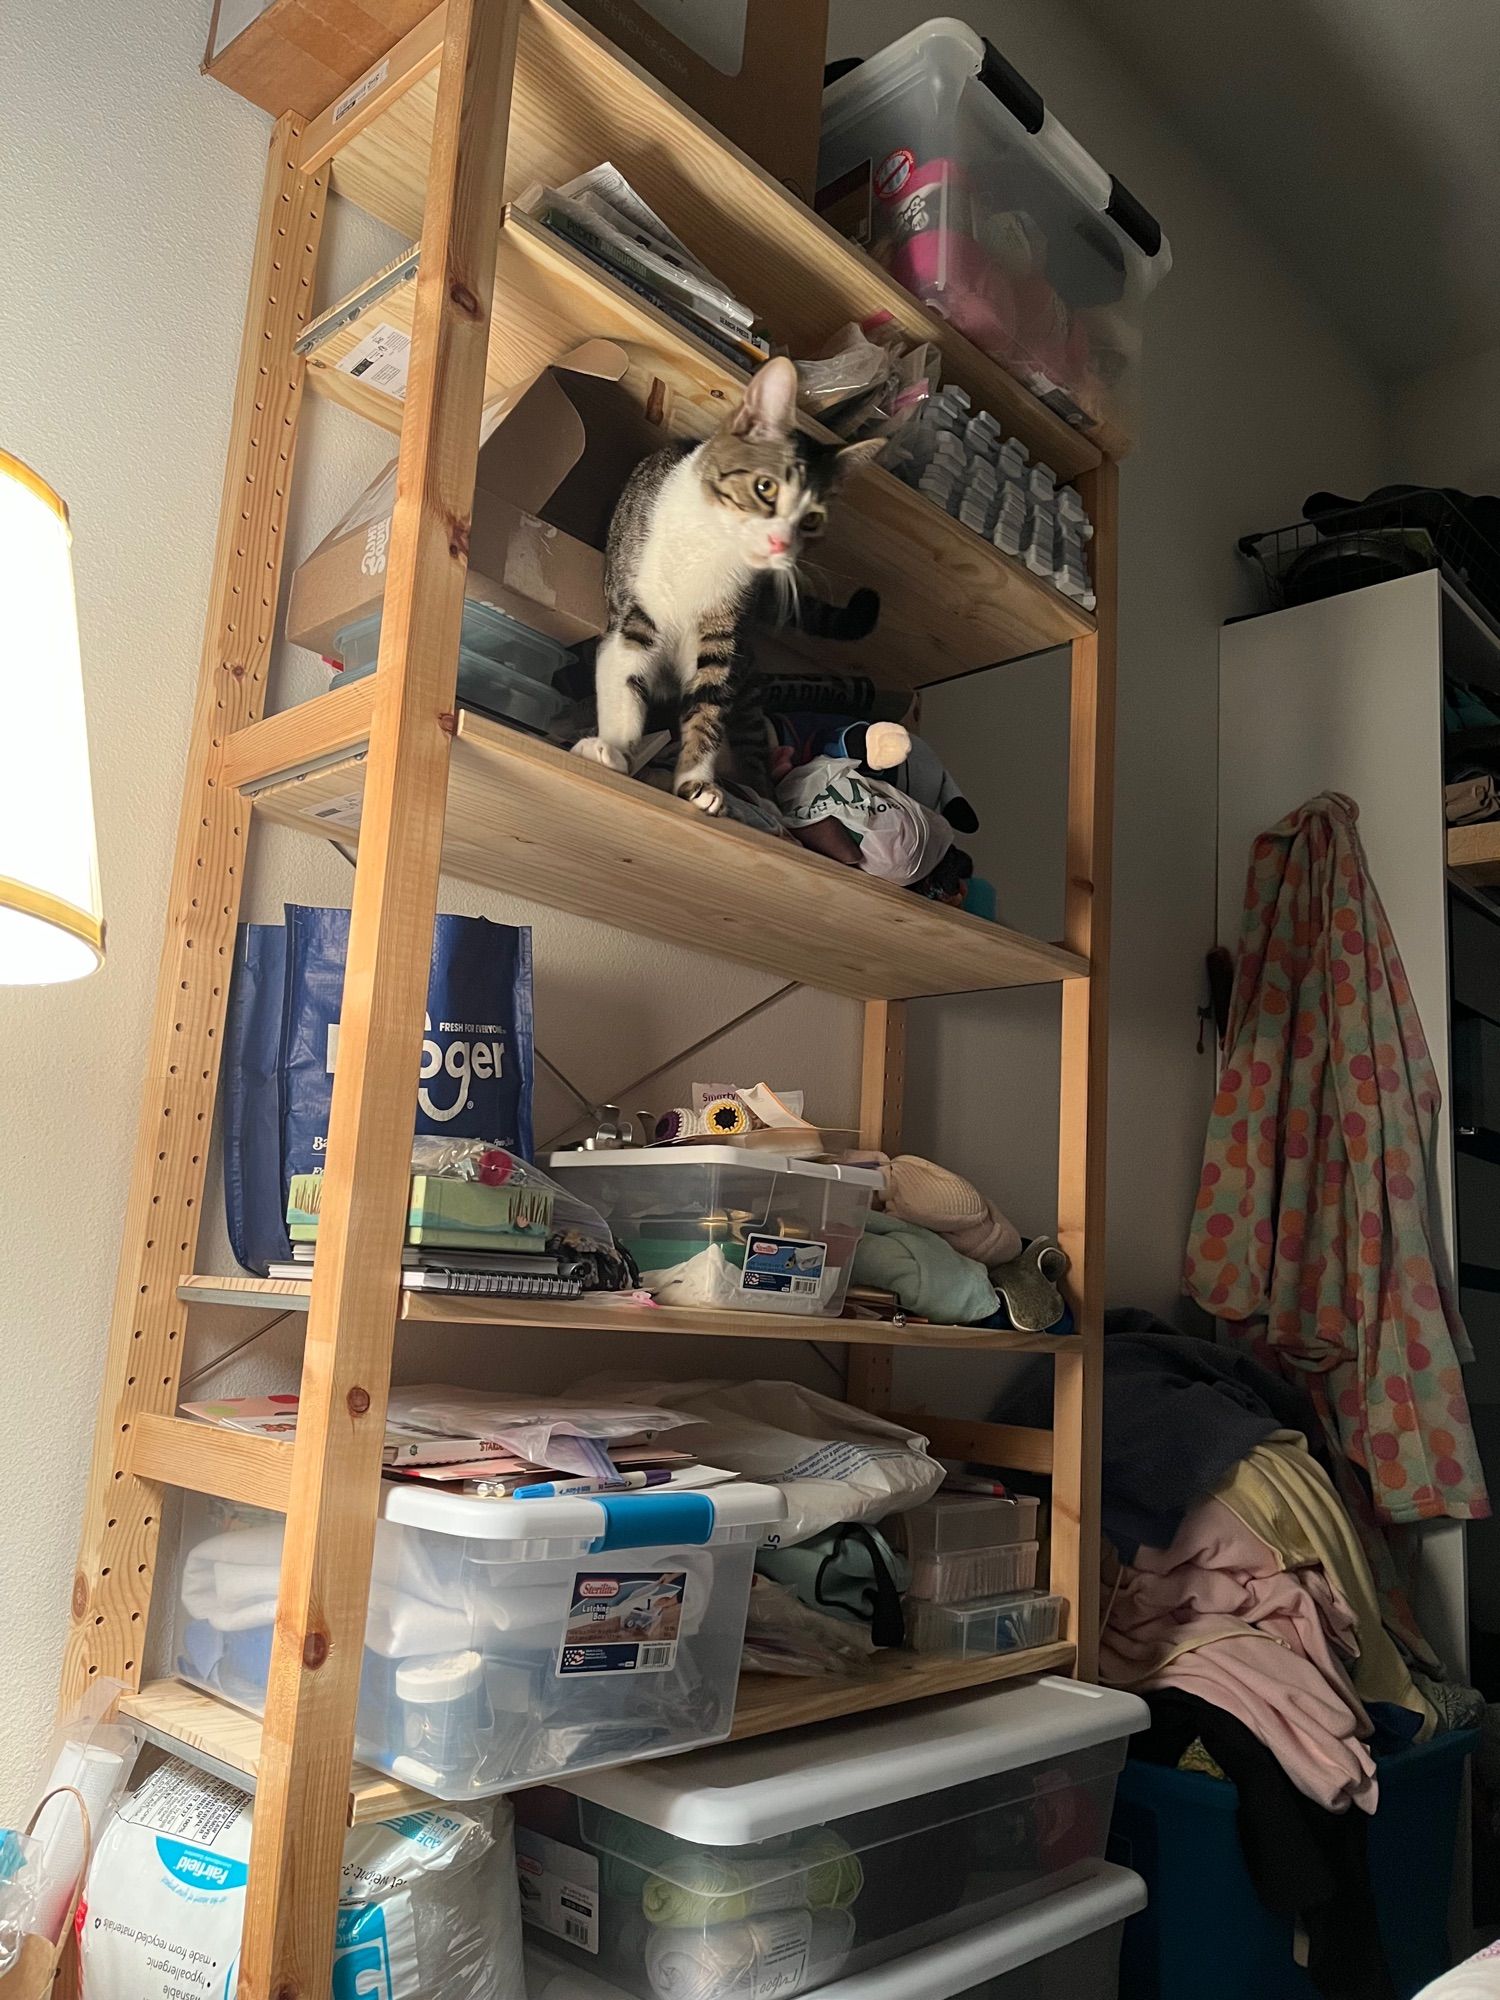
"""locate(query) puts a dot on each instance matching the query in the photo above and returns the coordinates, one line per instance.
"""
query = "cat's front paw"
(707, 798)
(599, 752)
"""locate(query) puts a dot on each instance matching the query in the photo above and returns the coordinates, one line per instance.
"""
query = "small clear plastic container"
(951, 1522)
(717, 1226)
(781, 1865)
(994, 1625)
(1064, 1946)
(969, 1573)
(504, 668)
(508, 1641)
(949, 165)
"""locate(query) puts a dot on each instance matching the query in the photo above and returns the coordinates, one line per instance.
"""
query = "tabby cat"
(703, 536)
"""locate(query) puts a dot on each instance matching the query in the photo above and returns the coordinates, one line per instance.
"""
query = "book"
(477, 1283)
(276, 1417)
(519, 1263)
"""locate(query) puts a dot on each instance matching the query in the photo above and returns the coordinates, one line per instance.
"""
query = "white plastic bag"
(428, 1907)
(833, 1462)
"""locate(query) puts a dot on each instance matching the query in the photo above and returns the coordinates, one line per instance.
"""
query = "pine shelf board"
(601, 1313)
(578, 101)
(226, 1741)
(1474, 854)
(770, 1702)
(951, 602)
(531, 820)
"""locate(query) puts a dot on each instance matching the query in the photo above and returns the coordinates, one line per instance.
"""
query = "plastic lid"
(591, 1523)
(746, 1792)
(718, 1156)
(1105, 1895)
(448, 1678)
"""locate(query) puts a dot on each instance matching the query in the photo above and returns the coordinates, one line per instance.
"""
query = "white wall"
(125, 232)
(1445, 425)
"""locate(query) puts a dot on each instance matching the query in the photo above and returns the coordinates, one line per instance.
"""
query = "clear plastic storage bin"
(781, 1865)
(717, 1226)
(993, 1625)
(504, 668)
(971, 1573)
(950, 1522)
(507, 1640)
(1065, 1946)
(967, 189)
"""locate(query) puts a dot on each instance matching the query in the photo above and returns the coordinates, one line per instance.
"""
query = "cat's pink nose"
(778, 544)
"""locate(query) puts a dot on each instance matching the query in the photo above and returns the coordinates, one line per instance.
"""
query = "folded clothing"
(785, 1954)
(922, 1192)
(925, 1272)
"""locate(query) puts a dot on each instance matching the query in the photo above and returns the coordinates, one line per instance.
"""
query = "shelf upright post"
(308, 1734)
(1081, 1175)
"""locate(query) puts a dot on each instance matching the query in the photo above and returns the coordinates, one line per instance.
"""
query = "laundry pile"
(1237, 1598)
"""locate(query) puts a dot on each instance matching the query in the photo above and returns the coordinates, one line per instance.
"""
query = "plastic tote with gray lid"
(949, 166)
(1065, 1946)
(814, 1857)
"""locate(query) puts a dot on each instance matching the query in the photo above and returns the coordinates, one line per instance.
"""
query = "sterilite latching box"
(950, 167)
(718, 1226)
(1066, 1946)
(508, 1640)
(813, 1856)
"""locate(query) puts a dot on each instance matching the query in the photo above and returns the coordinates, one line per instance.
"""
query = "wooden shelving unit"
(1474, 854)
(480, 100)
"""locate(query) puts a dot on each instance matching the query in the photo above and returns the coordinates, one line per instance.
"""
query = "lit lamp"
(51, 920)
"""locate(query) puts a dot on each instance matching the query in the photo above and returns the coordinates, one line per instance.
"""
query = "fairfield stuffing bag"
(473, 1078)
(428, 1907)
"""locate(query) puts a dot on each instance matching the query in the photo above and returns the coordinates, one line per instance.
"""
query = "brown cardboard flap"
(544, 434)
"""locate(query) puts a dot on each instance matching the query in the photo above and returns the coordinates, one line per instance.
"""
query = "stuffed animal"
(888, 750)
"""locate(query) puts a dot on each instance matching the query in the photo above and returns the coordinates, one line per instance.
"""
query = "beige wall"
(125, 235)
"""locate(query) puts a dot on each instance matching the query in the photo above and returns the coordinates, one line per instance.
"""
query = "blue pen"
(578, 1489)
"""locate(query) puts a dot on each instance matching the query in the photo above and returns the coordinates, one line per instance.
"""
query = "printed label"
(357, 93)
(559, 1889)
(380, 360)
(791, 1264)
(342, 811)
(781, 1946)
(894, 171)
(623, 1623)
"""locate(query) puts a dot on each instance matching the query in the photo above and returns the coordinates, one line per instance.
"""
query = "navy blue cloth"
(1179, 1415)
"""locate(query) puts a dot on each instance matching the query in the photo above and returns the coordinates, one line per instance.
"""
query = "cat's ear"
(770, 404)
(850, 457)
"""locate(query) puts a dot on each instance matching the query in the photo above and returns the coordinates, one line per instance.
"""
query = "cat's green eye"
(812, 521)
(766, 488)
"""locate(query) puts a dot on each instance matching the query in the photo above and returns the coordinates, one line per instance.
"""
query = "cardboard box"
(298, 55)
(557, 450)
(752, 68)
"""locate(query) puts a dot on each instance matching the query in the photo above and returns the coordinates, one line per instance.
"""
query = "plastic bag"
(832, 1462)
(20, 1856)
(577, 1230)
(525, 1425)
(783, 1636)
(428, 1908)
(900, 839)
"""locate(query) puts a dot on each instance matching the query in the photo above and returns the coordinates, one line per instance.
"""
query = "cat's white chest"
(692, 562)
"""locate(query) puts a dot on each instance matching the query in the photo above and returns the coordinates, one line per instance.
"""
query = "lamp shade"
(51, 922)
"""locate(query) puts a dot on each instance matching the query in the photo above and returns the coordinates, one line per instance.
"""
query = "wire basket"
(1397, 534)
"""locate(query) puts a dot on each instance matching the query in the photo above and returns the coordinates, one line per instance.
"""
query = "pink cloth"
(1215, 1616)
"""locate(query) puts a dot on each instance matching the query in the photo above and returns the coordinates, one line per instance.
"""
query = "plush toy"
(889, 751)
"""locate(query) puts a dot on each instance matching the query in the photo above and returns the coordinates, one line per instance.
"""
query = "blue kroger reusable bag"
(474, 1073)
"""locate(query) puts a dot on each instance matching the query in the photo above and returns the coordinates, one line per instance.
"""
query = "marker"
(577, 1489)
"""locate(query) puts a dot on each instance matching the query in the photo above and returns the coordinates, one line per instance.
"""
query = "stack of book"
(461, 1236)
(487, 1466)
(601, 215)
